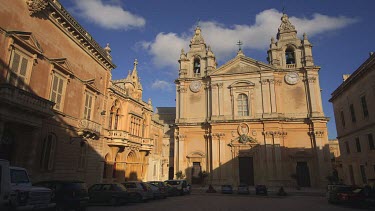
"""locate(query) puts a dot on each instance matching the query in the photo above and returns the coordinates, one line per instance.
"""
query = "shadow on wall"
(267, 165)
(35, 136)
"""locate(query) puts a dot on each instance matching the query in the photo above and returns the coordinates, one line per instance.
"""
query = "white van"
(4, 184)
(17, 191)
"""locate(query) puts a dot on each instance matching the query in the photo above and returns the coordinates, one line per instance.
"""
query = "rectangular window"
(363, 174)
(371, 141)
(347, 147)
(18, 70)
(88, 105)
(358, 144)
(352, 112)
(364, 106)
(342, 118)
(57, 90)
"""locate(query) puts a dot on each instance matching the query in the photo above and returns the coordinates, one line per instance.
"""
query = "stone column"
(220, 93)
(278, 135)
(217, 156)
(268, 145)
(312, 97)
(181, 153)
(265, 96)
(320, 166)
(178, 102)
(272, 95)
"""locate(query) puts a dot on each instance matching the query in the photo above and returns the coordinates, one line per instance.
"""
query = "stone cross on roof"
(135, 64)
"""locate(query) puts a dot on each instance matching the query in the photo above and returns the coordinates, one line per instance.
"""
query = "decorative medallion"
(36, 6)
(292, 78)
(195, 86)
(243, 130)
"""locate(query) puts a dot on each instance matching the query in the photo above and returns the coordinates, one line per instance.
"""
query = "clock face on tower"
(195, 86)
(292, 78)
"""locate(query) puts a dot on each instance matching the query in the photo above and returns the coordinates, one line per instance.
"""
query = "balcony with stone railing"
(89, 129)
(24, 100)
(290, 66)
(147, 144)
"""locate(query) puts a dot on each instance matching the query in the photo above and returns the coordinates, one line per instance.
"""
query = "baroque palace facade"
(252, 122)
(61, 115)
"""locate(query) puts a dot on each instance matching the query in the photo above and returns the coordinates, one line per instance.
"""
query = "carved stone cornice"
(181, 137)
(36, 6)
(63, 20)
(218, 135)
(275, 134)
(264, 81)
(181, 89)
(317, 133)
(311, 79)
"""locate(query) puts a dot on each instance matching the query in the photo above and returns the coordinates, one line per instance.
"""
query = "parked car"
(155, 191)
(182, 186)
(172, 191)
(261, 190)
(335, 193)
(67, 194)
(228, 189)
(141, 191)
(243, 189)
(109, 193)
(17, 192)
(163, 188)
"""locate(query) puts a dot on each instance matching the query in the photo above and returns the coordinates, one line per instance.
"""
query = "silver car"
(142, 191)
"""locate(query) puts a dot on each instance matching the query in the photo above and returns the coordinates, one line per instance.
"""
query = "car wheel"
(138, 198)
(114, 202)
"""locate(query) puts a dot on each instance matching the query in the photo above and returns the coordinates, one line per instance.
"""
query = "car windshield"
(75, 185)
(18, 176)
(120, 187)
(130, 185)
(344, 189)
(173, 182)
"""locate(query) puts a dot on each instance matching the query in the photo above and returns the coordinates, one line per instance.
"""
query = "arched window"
(242, 105)
(197, 67)
(289, 56)
(117, 118)
(48, 152)
(110, 120)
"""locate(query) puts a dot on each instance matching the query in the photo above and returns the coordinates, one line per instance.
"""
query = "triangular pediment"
(63, 65)
(240, 65)
(26, 39)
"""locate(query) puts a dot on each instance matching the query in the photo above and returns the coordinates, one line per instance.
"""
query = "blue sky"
(154, 31)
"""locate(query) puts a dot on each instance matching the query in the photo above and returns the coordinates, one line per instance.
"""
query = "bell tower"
(289, 52)
(195, 66)
(199, 60)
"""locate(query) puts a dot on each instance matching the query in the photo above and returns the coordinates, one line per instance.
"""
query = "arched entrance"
(133, 167)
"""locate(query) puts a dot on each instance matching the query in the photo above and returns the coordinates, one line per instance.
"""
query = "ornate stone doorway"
(133, 169)
(303, 174)
(246, 170)
(196, 173)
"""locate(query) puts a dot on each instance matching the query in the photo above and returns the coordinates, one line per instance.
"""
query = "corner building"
(252, 122)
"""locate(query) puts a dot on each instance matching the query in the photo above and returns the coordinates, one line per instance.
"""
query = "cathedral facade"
(248, 121)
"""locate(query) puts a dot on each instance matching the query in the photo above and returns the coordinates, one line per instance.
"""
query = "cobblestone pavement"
(236, 202)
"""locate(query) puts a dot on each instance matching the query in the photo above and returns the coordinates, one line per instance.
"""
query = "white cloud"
(163, 85)
(109, 16)
(166, 47)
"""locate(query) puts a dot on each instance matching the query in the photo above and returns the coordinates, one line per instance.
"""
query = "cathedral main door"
(303, 174)
(246, 170)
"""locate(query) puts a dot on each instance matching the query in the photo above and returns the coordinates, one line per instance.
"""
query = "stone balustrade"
(24, 99)
(88, 125)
